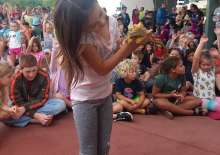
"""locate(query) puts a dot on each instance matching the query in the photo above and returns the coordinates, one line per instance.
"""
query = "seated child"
(204, 76)
(215, 53)
(6, 111)
(148, 53)
(59, 88)
(187, 63)
(30, 91)
(35, 49)
(148, 76)
(129, 91)
(169, 90)
(137, 57)
(188, 67)
(4, 29)
(175, 52)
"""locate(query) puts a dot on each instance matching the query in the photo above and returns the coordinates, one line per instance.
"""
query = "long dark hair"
(37, 42)
(70, 20)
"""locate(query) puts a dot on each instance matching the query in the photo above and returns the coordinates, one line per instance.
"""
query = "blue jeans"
(51, 107)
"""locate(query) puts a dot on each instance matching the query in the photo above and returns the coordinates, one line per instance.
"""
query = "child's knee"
(59, 106)
(161, 103)
(117, 107)
(145, 103)
(196, 101)
(122, 102)
(158, 102)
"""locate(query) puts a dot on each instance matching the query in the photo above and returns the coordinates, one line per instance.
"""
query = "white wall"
(132, 4)
(110, 5)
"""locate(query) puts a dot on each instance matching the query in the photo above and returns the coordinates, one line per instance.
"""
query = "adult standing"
(125, 18)
(161, 16)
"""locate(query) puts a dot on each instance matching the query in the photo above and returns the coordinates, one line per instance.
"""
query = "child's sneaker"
(124, 116)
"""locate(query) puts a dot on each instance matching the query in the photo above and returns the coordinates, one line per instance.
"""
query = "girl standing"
(88, 39)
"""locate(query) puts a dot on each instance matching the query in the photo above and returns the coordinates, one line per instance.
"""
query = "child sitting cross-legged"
(29, 91)
(204, 75)
(169, 91)
(130, 95)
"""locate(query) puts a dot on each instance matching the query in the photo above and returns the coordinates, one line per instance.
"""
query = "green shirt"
(167, 85)
(141, 15)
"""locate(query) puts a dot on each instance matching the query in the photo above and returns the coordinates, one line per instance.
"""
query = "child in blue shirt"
(4, 29)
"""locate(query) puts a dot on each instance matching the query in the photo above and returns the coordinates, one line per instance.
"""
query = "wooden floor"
(147, 135)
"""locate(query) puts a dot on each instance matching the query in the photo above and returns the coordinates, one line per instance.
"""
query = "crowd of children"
(176, 73)
(29, 94)
(172, 75)
(90, 61)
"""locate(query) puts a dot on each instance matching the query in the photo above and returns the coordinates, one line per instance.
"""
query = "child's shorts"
(15, 51)
(136, 99)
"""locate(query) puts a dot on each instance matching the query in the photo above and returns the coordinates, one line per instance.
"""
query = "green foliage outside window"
(31, 3)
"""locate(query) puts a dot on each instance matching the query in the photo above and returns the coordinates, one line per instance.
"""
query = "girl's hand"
(204, 39)
(24, 13)
(31, 40)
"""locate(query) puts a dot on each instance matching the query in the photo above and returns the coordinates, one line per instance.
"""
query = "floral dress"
(204, 84)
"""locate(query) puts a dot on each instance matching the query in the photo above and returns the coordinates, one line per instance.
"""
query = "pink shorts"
(15, 51)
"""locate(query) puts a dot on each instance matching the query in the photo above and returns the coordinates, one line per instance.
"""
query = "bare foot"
(43, 119)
